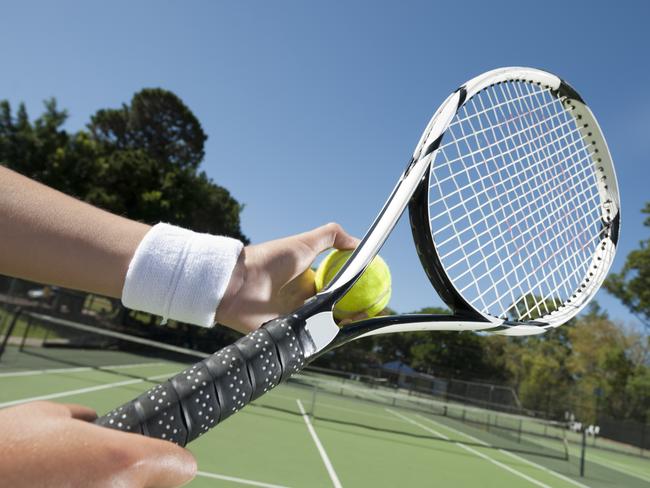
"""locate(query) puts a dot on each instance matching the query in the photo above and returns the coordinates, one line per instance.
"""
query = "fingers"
(43, 408)
(55, 449)
(328, 236)
(81, 412)
(354, 318)
(61, 410)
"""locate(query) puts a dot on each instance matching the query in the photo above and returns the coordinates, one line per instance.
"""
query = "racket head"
(517, 218)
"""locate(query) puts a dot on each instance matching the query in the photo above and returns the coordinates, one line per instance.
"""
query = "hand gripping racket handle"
(192, 402)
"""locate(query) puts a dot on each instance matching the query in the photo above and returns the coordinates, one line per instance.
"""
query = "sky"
(312, 109)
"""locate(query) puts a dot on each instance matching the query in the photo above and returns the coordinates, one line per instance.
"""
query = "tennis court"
(319, 431)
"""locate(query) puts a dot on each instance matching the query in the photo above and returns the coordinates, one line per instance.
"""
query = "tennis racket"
(515, 213)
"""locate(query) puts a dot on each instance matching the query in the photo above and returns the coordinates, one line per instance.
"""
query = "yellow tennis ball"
(369, 295)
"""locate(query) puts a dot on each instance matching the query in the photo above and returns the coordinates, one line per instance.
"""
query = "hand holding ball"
(369, 295)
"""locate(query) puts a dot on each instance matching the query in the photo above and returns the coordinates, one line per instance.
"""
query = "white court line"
(81, 390)
(241, 481)
(34, 372)
(469, 449)
(319, 446)
(511, 454)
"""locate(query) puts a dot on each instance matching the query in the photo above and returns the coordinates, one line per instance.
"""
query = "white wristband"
(180, 274)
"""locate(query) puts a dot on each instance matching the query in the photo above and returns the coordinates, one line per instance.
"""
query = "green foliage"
(590, 366)
(457, 353)
(537, 369)
(140, 161)
(156, 122)
(632, 285)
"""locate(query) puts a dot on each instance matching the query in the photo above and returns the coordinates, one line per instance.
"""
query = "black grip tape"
(264, 368)
(290, 352)
(195, 388)
(161, 413)
(231, 383)
(190, 403)
(122, 418)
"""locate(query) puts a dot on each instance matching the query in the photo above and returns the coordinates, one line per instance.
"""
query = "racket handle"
(192, 402)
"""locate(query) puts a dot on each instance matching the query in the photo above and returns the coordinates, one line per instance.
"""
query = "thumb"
(163, 464)
(327, 236)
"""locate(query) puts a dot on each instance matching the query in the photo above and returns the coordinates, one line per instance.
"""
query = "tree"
(600, 366)
(156, 122)
(459, 354)
(398, 346)
(140, 161)
(150, 151)
(632, 285)
(543, 380)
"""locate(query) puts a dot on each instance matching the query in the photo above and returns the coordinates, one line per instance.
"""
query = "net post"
(463, 416)
(519, 429)
(582, 453)
(12, 325)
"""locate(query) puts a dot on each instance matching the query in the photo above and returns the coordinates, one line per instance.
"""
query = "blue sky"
(313, 108)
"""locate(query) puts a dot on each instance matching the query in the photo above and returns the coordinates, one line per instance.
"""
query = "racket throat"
(322, 329)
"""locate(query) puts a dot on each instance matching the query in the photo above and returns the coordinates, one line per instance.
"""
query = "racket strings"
(513, 202)
(486, 189)
(553, 271)
(524, 233)
(537, 305)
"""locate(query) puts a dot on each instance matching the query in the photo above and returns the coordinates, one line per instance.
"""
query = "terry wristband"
(180, 274)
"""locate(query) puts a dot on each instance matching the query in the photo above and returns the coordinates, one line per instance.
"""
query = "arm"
(52, 238)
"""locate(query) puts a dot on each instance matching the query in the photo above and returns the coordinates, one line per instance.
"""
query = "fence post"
(10, 329)
(582, 453)
(26, 331)
(313, 402)
(643, 428)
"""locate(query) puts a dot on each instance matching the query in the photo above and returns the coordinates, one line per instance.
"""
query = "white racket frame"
(322, 325)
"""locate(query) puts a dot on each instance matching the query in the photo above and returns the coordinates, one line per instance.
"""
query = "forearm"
(52, 238)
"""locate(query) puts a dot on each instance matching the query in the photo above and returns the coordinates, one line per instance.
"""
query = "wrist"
(180, 274)
(224, 313)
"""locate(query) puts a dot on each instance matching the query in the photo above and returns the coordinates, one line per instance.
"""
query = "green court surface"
(293, 437)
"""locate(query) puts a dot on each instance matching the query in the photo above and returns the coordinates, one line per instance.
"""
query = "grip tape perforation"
(189, 404)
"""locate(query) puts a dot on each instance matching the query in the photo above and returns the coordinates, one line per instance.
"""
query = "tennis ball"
(369, 295)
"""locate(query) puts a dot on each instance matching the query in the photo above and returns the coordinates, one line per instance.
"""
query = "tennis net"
(467, 423)
(36, 340)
